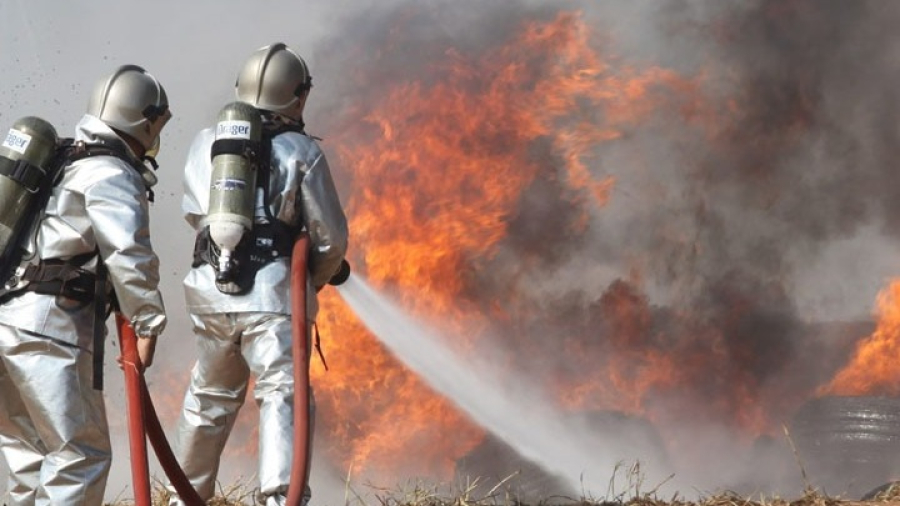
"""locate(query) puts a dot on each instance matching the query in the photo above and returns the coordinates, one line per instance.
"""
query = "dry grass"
(425, 498)
(238, 494)
(627, 487)
(426, 495)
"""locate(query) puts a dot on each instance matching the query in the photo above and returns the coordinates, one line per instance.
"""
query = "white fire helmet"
(275, 79)
(133, 102)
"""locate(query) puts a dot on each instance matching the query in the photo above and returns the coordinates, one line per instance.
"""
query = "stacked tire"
(848, 445)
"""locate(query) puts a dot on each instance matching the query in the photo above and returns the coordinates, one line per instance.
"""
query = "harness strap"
(242, 147)
(100, 316)
(67, 278)
(23, 172)
(263, 244)
(273, 126)
(76, 150)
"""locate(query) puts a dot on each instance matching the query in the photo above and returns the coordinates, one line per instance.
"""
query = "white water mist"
(523, 418)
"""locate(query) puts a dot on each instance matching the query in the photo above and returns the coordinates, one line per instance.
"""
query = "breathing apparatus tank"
(232, 191)
(26, 158)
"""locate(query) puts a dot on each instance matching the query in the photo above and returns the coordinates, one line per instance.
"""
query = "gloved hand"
(341, 275)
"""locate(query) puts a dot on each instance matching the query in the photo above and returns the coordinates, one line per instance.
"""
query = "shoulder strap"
(271, 129)
(71, 150)
(264, 171)
(100, 316)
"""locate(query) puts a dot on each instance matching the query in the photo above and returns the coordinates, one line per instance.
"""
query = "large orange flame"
(438, 169)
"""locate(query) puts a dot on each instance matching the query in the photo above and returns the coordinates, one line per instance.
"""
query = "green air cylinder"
(232, 190)
(25, 158)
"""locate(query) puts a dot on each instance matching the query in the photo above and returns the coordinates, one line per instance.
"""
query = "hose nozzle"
(341, 275)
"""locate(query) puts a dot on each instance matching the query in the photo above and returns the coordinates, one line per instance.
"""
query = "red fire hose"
(164, 453)
(300, 352)
(131, 364)
(143, 421)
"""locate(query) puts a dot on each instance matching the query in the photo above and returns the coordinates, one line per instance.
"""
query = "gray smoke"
(777, 213)
(729, 209)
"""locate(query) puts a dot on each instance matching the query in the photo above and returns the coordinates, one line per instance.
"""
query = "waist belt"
(263, 244)
(61, 277)
(69, 279)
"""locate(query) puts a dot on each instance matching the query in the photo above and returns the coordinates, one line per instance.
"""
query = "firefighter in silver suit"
(239, 334)
(54, 435)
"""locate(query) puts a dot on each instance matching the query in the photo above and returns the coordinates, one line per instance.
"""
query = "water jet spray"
(520, 416)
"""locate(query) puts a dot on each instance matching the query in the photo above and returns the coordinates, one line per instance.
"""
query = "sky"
(52, 52)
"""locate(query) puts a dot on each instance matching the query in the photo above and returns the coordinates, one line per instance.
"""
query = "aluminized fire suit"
(53, 429)
(251, 333)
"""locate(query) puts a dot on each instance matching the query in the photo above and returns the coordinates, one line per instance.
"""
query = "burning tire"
(848, 445)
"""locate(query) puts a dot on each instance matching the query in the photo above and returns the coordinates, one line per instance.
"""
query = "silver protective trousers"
(53, 431)
(231, 346)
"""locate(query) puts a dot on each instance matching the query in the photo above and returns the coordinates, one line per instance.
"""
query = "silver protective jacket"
(99, 204)
(301, 193)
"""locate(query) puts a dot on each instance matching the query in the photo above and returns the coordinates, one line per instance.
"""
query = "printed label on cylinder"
(233, 129)
(17, 141)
